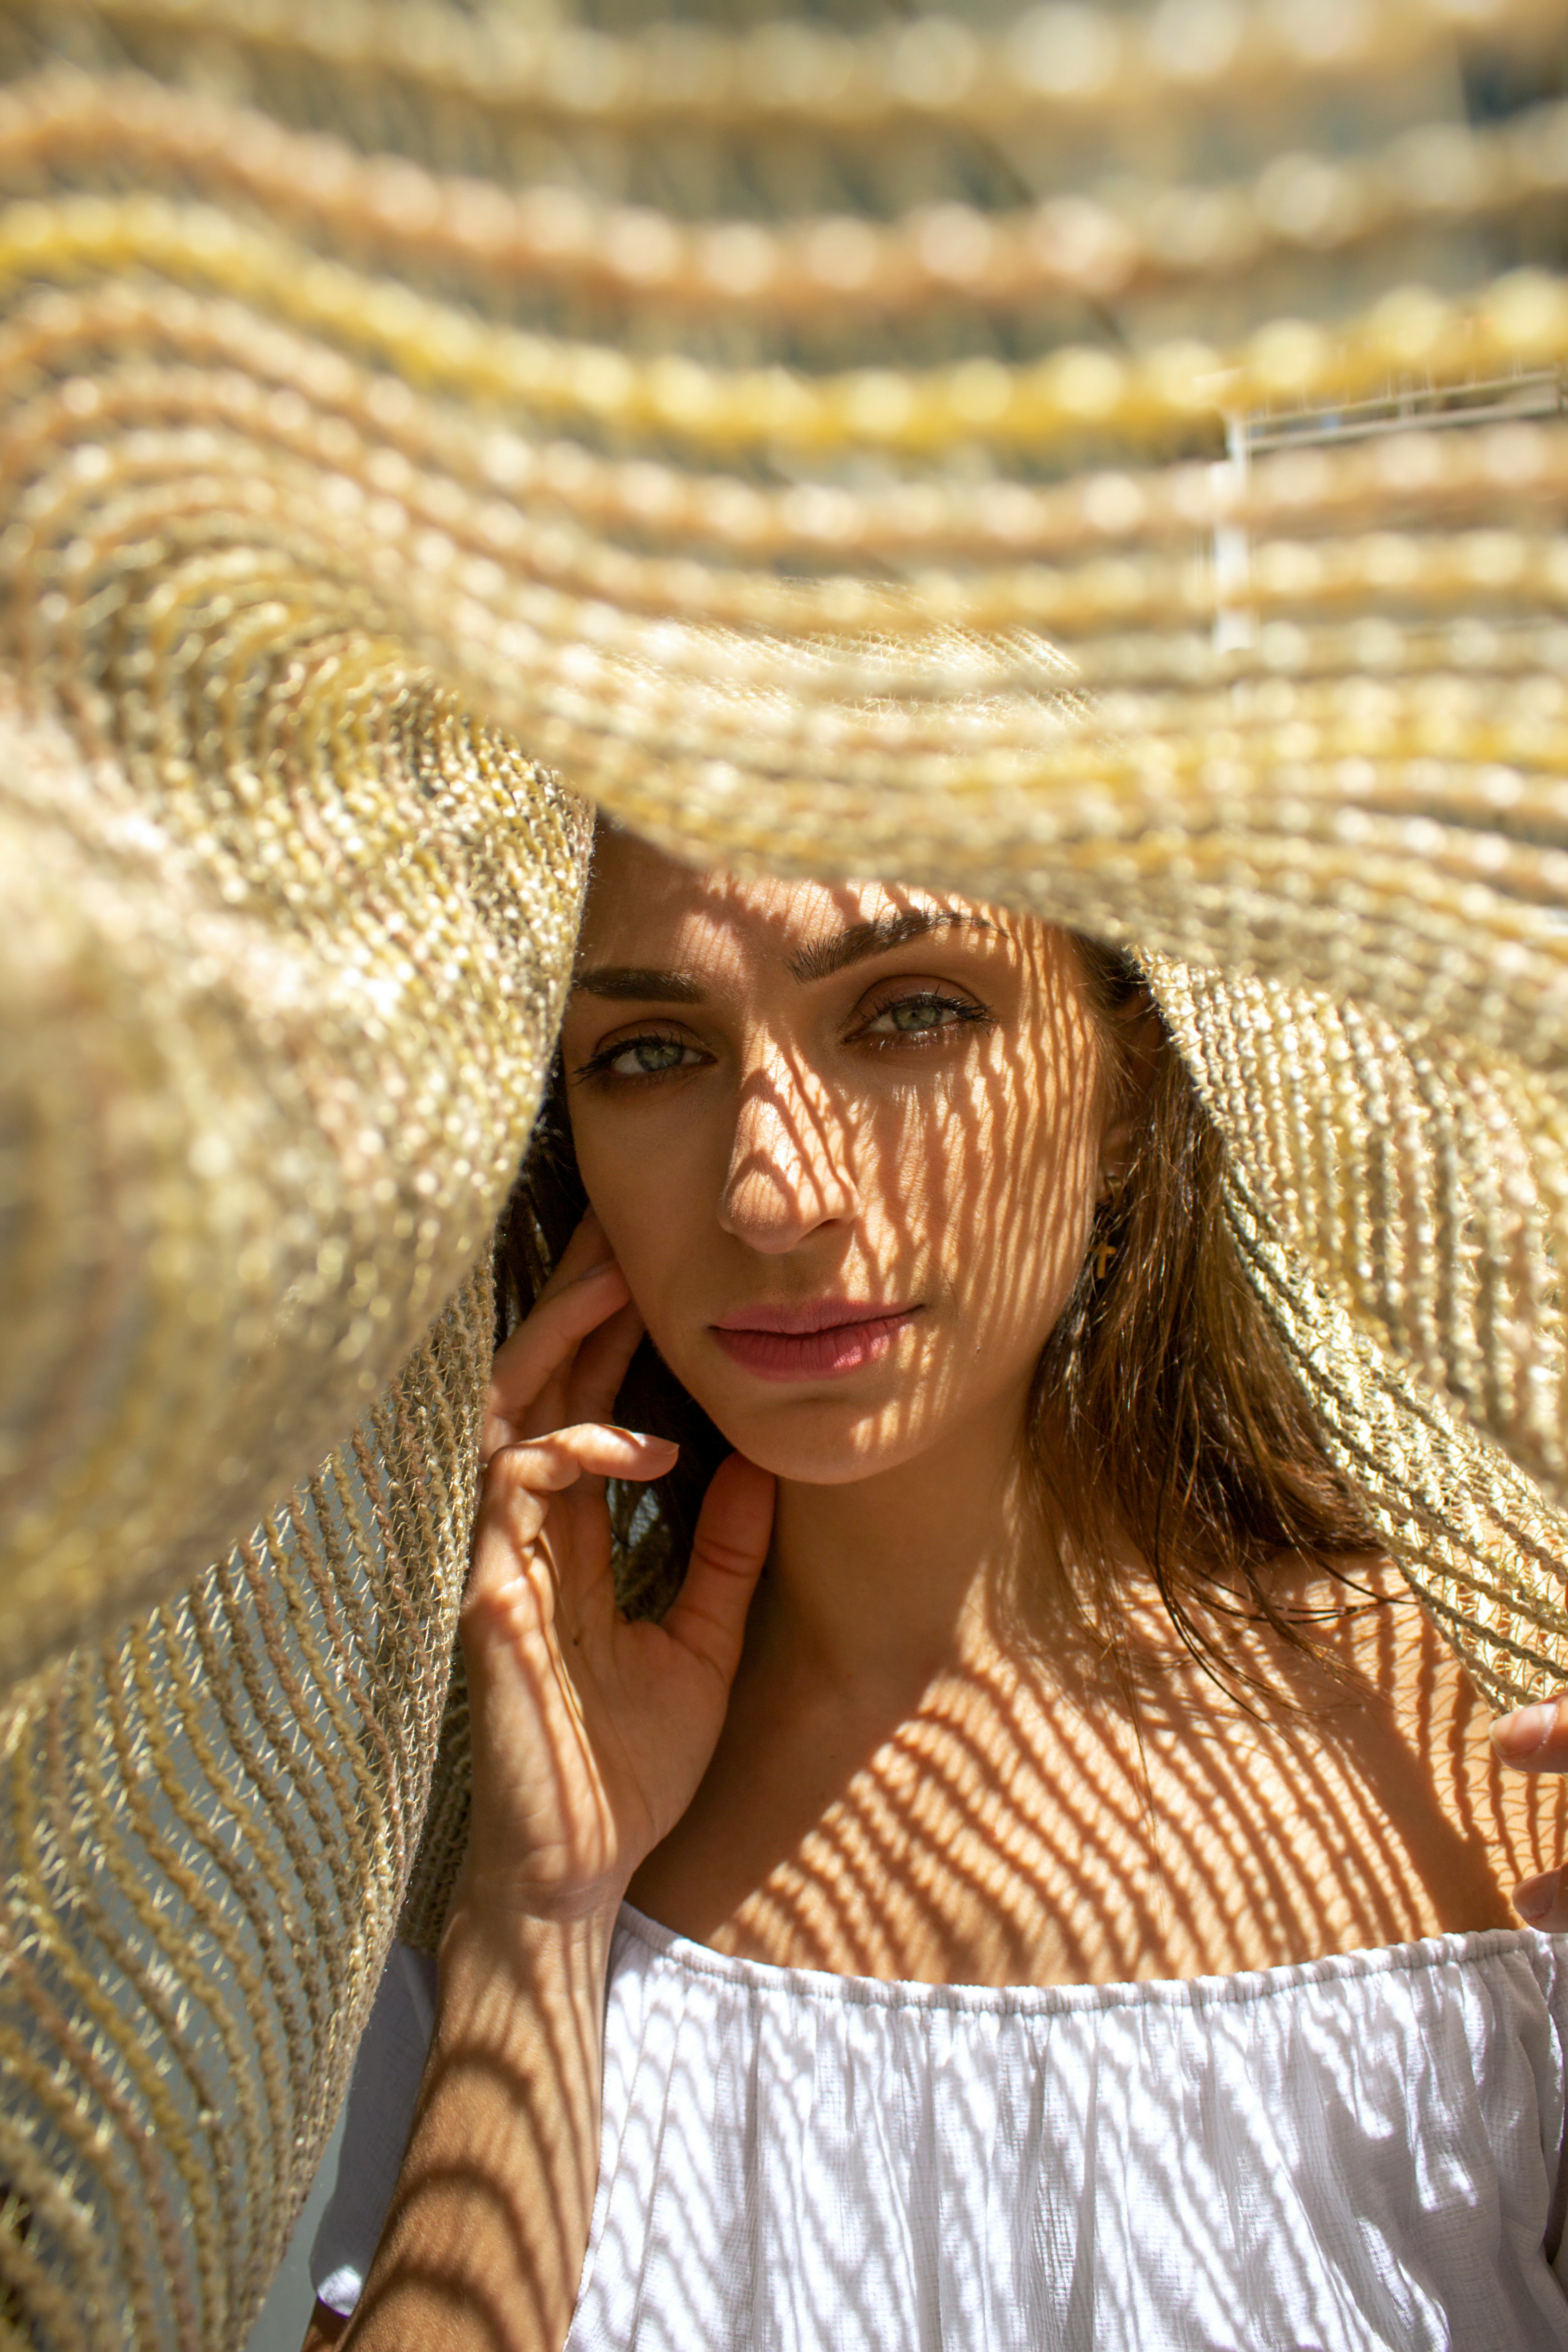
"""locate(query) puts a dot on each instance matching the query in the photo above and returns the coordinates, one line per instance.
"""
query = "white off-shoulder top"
(1356, 2152)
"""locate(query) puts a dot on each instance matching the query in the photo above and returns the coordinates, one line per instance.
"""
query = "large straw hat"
(1104, 459)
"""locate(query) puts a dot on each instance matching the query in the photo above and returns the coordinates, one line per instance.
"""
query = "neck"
(878, 1585)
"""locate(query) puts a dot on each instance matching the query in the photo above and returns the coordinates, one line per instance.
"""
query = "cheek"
(1005, 1170)
(645, 1192)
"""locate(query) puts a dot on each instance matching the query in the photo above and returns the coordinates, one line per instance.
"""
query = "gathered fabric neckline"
(1138, 1992)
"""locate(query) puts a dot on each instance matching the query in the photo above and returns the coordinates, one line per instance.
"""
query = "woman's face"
(846, 1141)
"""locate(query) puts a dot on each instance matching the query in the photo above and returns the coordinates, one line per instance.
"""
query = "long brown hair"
(1163, 1419)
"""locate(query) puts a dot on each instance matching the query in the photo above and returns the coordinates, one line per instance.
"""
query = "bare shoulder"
(1021, 1826)
(1405, 1690)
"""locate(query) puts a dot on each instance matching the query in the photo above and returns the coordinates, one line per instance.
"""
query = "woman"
(1030, 1664)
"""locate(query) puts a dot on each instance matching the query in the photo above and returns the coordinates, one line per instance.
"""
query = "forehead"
(647, 908)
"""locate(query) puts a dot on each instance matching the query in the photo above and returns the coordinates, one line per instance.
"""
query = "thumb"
(727, 1555)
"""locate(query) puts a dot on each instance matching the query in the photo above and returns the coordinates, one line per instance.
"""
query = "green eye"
(645, 1057)
(917, 1016)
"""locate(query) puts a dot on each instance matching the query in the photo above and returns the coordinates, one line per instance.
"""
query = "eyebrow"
(879, 938)
(636, 983)
(626, 983)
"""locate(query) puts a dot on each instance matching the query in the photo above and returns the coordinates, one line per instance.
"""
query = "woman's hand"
(590, 1737)
(1535, 1739)
(590, 1734)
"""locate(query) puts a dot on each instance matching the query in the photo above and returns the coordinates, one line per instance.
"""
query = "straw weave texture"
(1106, 459)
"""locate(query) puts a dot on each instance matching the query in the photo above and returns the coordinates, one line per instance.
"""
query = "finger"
(527, 1363)
(1543, 1901)
(588, 1247)
(595, 1379)
(544, 1465)
(543, 1345)
(733, 1530)
(521, 1478)
(1533, 1739)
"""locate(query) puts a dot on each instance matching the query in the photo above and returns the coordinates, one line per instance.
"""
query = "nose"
(789, 1170)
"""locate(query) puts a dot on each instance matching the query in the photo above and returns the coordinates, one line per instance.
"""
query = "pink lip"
(825, 1338)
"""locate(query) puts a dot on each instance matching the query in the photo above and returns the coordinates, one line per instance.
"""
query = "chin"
(819, 1442)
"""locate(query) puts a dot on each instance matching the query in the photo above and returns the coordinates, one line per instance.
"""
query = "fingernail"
(1526, 1731)
(640, 1437)
(1535, 1899)
(603, 1267)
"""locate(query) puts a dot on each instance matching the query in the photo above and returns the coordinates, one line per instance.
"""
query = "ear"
(1139, 1040)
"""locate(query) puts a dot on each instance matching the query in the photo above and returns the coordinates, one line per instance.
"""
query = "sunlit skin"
(884, 1116)
(931, 1127)
(797, 1140)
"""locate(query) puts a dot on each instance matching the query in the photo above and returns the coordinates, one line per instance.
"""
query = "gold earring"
(1109, 1205)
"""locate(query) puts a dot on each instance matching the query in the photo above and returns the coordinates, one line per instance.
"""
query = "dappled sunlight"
(939, 1764)
(1021, 1824)
(934, 1765)
(1130, 1823)
(797, 1166)
(453, 2244)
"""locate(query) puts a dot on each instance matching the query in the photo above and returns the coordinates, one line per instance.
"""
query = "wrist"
(498, 1885)
(491, 1932)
